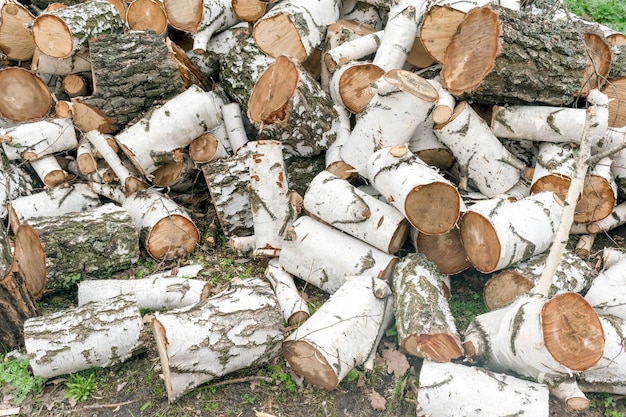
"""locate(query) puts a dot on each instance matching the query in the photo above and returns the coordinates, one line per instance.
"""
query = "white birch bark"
(15, 182)
(444, 391)
(241, 243)
(361, 310)
(240, 327)
(398, 37)
(444, 107)
(94, 335)
(353, 50)
(163, 290)
(157, 137)
(497, 233)
(235, 129)
(307, 254)
(34, 140)
(85, 157)
(50, 171)
(608, 290)
(295, 309)
(362, 216)
(426, 146)
(488, 164)
(584, 245)
(428, 201)
(217, 15)
(332, 157)
(350, 85)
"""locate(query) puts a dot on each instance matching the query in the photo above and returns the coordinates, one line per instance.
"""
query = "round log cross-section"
(23, 96)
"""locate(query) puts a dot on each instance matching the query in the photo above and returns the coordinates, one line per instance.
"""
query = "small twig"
(115, 405)
(242, 379)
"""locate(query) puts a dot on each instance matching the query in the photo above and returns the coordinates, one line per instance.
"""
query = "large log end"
(309, 363)
(441, 347)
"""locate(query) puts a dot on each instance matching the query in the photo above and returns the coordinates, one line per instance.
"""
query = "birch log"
(50, 171)
(332, 157)
(15, 182)
(424, 321)
(350, 85)
(288, 105)
(208, 146)
(61, 32)
(24, 97)
(158, 138)
(610, 222)
(240, 327)
(307, 254)
(538, 338)
(497, 233)
(445, 250)
(353, 50)
(361, 310)
(572, 274)
(362, 216)
(616, 91)
(78, 62)
(235, 127)
(401, 96)
(96, 335)
(16, 40)
(444, 391)
(428, 201)
(295, 309)
(163, 290)
(607, 291)
(165, 229)
(34, 140)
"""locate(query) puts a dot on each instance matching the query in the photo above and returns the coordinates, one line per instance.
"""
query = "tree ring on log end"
(439, 347)
(52, 36)
(146, 14)
(445, 250)
(24, 96)
(399, 236)
(308, 362)
(172, 234)
(167, 174)
(412, 83)
(501, 289)
(355, 85)
(184, 15)
(438, 26)
(271, 96)
(572, 331)
(278, 35)
(481, 242)
(596, 202)
(616, 92)
(473, 53)
(433, 208)
(599, 63)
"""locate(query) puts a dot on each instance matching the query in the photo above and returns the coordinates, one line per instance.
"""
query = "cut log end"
(480, 241)
(597, 200)
(30, 259)
(433, 208)
(309, 363)
(172, 237)
(24, 97)
(184, 15)
(166, 175)
(146, 15)
(501, 289)
(355, 85)
(52, 36)
(160, 339)
(438, 26)
(278, 35)
(399, 236)
(297, 318)
(599, 62)
(445, 250)
(272, 92)
(441, 347)
(341, 169)
(203, 148)
(616, 92)
(572, 331)
(412, 83)
(249, 10)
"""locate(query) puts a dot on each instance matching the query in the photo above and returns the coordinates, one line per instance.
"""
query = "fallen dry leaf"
(377, 401)
(395, 361)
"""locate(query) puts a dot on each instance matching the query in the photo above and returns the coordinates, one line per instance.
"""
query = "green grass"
(17, 373)
(81, 385)
(608, 12)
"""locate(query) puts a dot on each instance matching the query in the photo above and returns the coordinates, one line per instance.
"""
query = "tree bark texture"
(607, 291)
(34, 140)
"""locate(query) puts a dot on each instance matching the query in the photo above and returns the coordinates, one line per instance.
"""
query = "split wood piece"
(24, 97)
(29, 260)
(569, 393)
(249, 10)
(163, 290)
(90, 244)
(538, 337)
(553, 172)
(240, 68)
(608, 375)
(362, 216)
(59, 33)
(606, 293)
(428, 201)
(445, 250)
(159, 137)
(50, 172)
(166, 230)
(615, 89)
(17, 300)
(75, 85)
(132, 71)
(228, 181)
(16, 40)
(30, 141)
(350, 85)
(488, 164)
(177, 176)
(273, 210)
(353, 50)
(443, 391)
(147, 15)
(307, 254)
(426, 146)
(236, 135)
(130, 183)
(295, 309)
(360, 311)
(238, 328)
(15, 182)
(484, 73)
(189, 71)
(86, 117)
(572, 275)
(332, 157)
(423, 318)
(288, 105)
(402, 97)
(497, 233)
(208, 146)
(295, 27)
(96, 335)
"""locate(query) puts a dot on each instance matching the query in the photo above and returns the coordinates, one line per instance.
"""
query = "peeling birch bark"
(317, 349)
(295, 309)
(238, 328)
(443, 391)
(497, 233)
(428, 201)
(163, 290)
(96, 335)
(307, 255)
(424, 321)
(362, 216)
(30, 141)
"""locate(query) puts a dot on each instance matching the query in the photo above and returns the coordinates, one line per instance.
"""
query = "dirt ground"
(135, 388)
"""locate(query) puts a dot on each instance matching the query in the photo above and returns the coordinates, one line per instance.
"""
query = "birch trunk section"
(295, 309)
(238, 328)
(317, 349)
(30, 141)
(95, 335)
(608, 290)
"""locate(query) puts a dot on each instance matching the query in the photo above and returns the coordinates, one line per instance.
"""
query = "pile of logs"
(370, 148)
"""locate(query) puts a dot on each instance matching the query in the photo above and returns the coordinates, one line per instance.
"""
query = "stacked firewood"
(369, 148)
